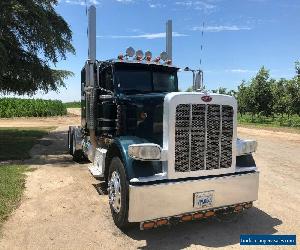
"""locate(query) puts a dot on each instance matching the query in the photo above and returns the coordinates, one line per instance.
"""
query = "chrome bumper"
(148, 202)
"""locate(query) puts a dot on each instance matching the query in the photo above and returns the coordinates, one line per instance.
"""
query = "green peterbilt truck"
(165, 156)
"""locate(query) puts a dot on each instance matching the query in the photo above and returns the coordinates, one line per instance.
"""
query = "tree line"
(265, 96)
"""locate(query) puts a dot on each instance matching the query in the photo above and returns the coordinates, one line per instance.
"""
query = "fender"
(133, 168)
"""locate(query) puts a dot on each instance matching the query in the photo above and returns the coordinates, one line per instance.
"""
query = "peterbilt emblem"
(206, 98)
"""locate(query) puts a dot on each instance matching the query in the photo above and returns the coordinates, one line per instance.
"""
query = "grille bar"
(203, 137)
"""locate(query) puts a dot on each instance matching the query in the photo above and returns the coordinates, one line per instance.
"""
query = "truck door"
(106, 107)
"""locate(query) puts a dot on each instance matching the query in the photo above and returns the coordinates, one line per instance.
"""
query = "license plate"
(204, 199)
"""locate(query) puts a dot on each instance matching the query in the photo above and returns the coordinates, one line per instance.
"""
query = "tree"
(261, 91)
(33, 37)
(224, 91)
(293, 92)
(297, 68)
(244, 98)
(280, 103)
(220, 90)
(189, 89)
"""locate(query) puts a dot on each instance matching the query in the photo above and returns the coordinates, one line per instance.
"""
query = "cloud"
(242, 71)
(125, 1)
(196, 5)
(82, 2)
(220, 28)
(156, 5)
(95, 2)
(143, 36)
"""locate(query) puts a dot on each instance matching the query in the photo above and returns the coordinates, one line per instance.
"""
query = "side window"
(106, 79)
(82, 81)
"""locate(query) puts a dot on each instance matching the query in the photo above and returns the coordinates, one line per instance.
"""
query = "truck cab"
(165, 156)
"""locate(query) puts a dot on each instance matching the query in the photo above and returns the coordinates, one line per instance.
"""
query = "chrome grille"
(213, 136)
(226, 138)
(203, 137)
(182, 137)
(197, 135)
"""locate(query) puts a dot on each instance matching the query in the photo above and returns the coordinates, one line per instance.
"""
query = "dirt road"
(61, 208)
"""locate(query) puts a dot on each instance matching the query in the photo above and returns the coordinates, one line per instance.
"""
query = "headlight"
(245, 147)
(145, 151)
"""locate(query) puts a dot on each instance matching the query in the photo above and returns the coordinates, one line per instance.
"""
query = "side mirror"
(198, 80)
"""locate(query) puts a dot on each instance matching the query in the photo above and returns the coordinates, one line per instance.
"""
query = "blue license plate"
(204, 199)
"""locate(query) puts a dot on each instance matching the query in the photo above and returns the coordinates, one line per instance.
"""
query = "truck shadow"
(209, 233)
(52, 149)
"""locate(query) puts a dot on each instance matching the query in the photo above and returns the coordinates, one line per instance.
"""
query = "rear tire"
(70, 141)
(78, 155)
(118, 193)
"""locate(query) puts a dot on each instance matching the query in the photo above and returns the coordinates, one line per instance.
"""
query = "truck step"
(95, 171)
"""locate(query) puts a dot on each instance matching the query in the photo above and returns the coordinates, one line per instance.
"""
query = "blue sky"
(239, 36)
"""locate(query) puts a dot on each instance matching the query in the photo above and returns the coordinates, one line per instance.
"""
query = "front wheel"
(118, 193)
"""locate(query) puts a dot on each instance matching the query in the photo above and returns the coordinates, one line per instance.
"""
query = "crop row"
(16, 107)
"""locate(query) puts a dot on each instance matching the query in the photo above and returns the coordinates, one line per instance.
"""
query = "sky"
(239, 37)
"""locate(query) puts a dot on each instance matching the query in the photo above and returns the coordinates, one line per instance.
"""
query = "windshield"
(145, 81)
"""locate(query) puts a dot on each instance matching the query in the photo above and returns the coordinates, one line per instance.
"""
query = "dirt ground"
(61, 208)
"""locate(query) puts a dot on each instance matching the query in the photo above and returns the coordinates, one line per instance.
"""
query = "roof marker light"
(120, 57)
(164, 56)
(139, 55)
(157, 59)
(148, 55)
(130, 52)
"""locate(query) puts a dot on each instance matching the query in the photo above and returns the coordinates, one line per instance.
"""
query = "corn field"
(16, 107)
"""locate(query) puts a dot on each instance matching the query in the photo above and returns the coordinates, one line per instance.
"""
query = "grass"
(12, 184)
(15, 143)
(277, 121)
(72, 104)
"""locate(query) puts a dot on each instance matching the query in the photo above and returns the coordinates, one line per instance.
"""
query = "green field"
(72, 104)
(17, 107)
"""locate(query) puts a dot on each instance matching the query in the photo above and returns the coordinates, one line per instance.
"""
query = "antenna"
(86, 14)
(201, 47)
(201, 87)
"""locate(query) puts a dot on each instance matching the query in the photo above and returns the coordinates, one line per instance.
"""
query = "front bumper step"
(149, 202)
(199, 215)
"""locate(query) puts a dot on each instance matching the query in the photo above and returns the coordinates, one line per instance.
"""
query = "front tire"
(118, 193)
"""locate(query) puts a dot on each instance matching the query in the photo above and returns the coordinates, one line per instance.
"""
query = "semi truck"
(165, 156)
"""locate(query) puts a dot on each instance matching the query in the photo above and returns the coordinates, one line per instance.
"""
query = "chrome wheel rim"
(114, 191)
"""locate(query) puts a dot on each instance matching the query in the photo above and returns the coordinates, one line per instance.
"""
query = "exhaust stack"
(92, 33)
(90, 77)
(169, 39)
